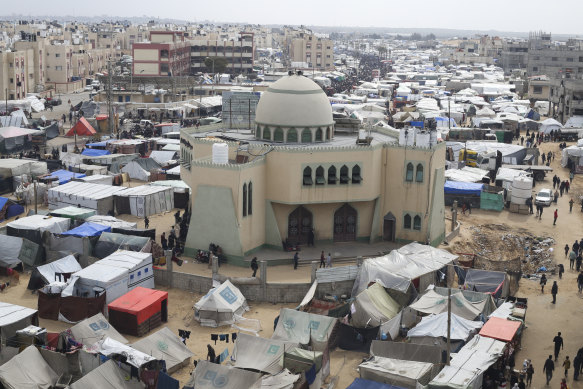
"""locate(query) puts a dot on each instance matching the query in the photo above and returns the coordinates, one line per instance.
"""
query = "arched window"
(250, 200)
(332, 175)
(419, 173)
(258, 132)
(344, 175)
(306, 136)
(318, 135)
(244, 200)
(308, 176)
(278, 135)
(267, 133)
(407, 222)
(320, 179)
(417, 223)
(356, 178)
(292, 135)
(409, 176)
(328, 133)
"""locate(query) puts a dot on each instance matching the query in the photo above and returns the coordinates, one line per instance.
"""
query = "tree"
(220, 64)
(382, 49)
(416, 37)
(430, 37)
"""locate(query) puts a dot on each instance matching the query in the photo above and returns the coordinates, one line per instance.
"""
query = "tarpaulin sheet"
(433, 302)
(65, 176)
(106, 376)
(403, 373)
(19, 374)
(88, 229)
(95, 152)
(140, 302)
(81, 128)
(501, 329)
(209, 375)
(435, 326)
(304, 328)
(10, 253)
(406, 351)
(485, 281)
(260, 354)
(373, 307)
(463, 188)
(361, 383)
(95, 328)
(109, 346)
(165, 345)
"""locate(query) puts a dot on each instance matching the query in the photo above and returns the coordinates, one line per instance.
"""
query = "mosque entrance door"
(345, 224)
(389, 222)
(299, 224)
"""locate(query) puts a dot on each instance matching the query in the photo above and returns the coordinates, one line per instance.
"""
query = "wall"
(145, 54)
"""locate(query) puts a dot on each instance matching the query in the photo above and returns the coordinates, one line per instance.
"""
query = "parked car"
(544, 197)
(88, 88)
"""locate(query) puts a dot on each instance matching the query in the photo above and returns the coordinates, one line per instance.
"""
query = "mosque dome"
(294, 109)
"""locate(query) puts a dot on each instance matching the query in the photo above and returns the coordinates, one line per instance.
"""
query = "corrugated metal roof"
(335, 274)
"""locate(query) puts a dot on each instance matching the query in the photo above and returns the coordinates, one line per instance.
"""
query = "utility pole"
(35, 206)
(448, 325)
(109, 98)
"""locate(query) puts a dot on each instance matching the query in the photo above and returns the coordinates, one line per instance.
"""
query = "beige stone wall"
(145, 55)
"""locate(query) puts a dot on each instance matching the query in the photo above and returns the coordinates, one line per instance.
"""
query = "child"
(566, 365)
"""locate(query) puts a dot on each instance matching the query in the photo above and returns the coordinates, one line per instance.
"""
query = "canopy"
(140, 302)
(432, 303)
(304, 328)
(165, 345)
(56, 225)
(95, 328)
(407, 374)
(466, 174)
(161, 156)
(373, 307)
(361, 383)
(65, 176)
(110, 242)
(81, 128)
(95, 152)
(549, 125)
(220, 305)
(260, 354)
(501, 329)
(435, 326)
(211, 375)
(13, 132)
(463, 188)
(28, 370)
(105, 376)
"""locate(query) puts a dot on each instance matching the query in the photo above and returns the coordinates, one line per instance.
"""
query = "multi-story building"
(539, 87)
(239, 52)
(167, 54)
(16, 74)
(514, 55)
(566, 97)
(314, 50)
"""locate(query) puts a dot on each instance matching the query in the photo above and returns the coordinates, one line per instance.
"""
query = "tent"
(211, 375)
(220, 306)
(14, 318)
(487, 281)
(94, 329)
(435, 326)
(92, 196)
(33, 227)
(46, 274)
(405, 374)
(111, 221)
(406, 351)
(167, 346)
(81, 128)
(106, 376)
(463, 188)
(16, 250)
(15, 138)
(298, 360)
(260, 354)
(282, 380)
(64, 176)
(433, 303)
(138, 311)
(549, 125)
(139, 169)
(9, 208)
(304, 328)
(27, 370)
(360, 383)
(163, 157)
(500, 329)
(111, 347)
(74, 213)
(95, 152)
(145, 200)
(397, 269)
(372, 307)
(99, 178)
(110, 242)
(88, 229)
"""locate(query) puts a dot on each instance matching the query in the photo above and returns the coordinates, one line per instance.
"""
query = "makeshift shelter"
(81, 128)
(405, 374)
(27, 370)
(139, 311)
(406, 351)
(53, 272)
(304, 328)
(106, 376)
(212, 375)
(14, 318)
(55, 304)
(110, 242)
(111, 221)
(298, 360)
(356, 339)
(167, 346)
(95, 152)
(63, 176)
(433, 303)
(60, 245)
(372, 307)
(432, 330)
(260, 354)
(144, 200)
(16, 250)
(101, 179)
(14, 138)
(94, 329)
(487, 281)
(9, 208)
(74, 213)
(181, 191)
(88, 229)
(33, 227)
(549, 125)
(111, 347)
(139, 169)
(399, 268)
(14, 171)
(282, 380)
(91, 196)
(361, 383)
(220, 306)
(163, 157)
(501, 329)
(467, 174)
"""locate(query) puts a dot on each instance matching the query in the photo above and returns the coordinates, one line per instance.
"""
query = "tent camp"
(139, 169)
(81, 128)
(212, 375)
(433, 330)
(397, 269)
(110, 347)
(165, 345)
(94, 329)
(92, 196)
(405, 374)
(74, 213)
(106, 376)
(145, 200)
(16, 250)
(372, 307)
(163, 157)
(18, 374)
(487, 281)
(304, 328)
(110, 242)
(138, 311)
(433, 303)
(548, 125)
(51, 272)
(88, 229)
(32, 227)
(14, 318)
(117, 274)
(260, 354)
(220, 306)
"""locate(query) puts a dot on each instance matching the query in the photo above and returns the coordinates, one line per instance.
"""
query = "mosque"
(294, 177)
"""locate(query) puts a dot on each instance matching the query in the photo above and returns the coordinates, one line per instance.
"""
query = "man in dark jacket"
(554, 291)
(558, 341)
(548, 368)
(254, 266)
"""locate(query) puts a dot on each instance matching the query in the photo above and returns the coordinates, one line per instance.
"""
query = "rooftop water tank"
(521, 189)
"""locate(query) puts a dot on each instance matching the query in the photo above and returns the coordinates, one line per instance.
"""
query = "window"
(356, 174)
(344, 175)
(332, 175)
(292, 135)
(308, 176)
(258, 132)
(407, 222)
(57, 55)
(139, 273)
(58, 68)
(409, 176)
(266, 133)
(278, 135)
(163, 53)
(419, 173)
(535, 69)
(569, 59)
(417, 223)
(320, 179)
(250, 200)
(131, 276)
(554, 59)
(537, 90)
(244, 200)
(306, 136)
(12, 80)
(146, 270)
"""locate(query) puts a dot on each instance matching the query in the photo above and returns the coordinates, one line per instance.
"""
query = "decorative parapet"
(207, 162)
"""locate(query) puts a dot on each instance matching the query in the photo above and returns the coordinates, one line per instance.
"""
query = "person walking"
(566, 250)
(571, 176)
(322, 260)
(558, 341)
(571, 202)
(561, 188)
(554, 181)
(572, 257)
(580, 282)
(554, 291)
(254, 266)
(296, 259)
(561, 270)
(529, 203)
(211, 356)
(540, 212)
(548, 368)
(529, 373)
(146, 223)
(555, 216)
(163, 241)
(329, 260)
(576, 246)
(566, 365)
(543, 282)
(556, 196)
(576, 367)
(469, 207)
(567, 186)
(578, 261)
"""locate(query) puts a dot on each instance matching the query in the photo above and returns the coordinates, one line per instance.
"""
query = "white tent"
(304, 328)
(14, 318)
(10, 253)
(574, 122)
(549, 125)
(373, 307)
(211, 375)
(165, 345)
(111, 221)
(435, 326)
(94, 329)
(27, 370)
(109, 347)
(466, 174)
(162, 157)
(220, 306)
(404, 374)
(101, 179)
(145, 200)
(433, 303)
(282, 380)
(41, 223)
(139, 169)
(260, 354)
(106, 376)
(88, 195)
(47, 272)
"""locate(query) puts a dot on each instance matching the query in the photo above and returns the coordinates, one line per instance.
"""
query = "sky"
(556, 16)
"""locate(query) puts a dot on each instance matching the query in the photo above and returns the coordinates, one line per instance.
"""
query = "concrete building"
(539, 88)
(514, 55)
(566, 97)
(239, 53)
(313, 50)
(16, 74)
(167, 54)
(293, 174)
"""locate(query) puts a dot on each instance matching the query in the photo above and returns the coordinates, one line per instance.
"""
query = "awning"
(501, 329)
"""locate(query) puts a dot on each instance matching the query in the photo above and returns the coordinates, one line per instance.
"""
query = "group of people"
(577, 362)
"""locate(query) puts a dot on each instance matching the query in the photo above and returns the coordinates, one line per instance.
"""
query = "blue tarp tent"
(65, 176)
(9, 208)
(88, 229)
(463, 188)
(360, 383)
(97, 144)
(95, 152)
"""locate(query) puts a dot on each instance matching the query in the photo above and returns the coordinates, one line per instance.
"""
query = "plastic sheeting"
(65, 176)
(466, 174)
(73, 212)
(111, 221)
(95, 152)
(435, 326)
(260, 354)
(360, 383)
(106, 376)
(373, 307)
(15, 317)
(88, 229)
(220, 305)
(304, 328)
(406, 374)
(110, 347)
(18, 374)
(92, 196)
(211, 375)
(282, 380)
(110, 242)
(165, 345)
(500, 329)
(433, 302)
(47, 272)
(145, 200)
(10, 253)
(463, 188)
(487, 281)
(94, 329)
(406, 351)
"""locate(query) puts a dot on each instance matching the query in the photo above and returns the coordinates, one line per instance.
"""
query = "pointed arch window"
(407, 222)
(319, 135)
(417, 223)
(244, 200)
(419, 173)
(409, 175)
(306, 136)
(344, 175)
(320, 179)
(292, 135)
(278, 135)
(332, 175)
(308, 176)
(250, 200)
(267, 133)
(356, 178)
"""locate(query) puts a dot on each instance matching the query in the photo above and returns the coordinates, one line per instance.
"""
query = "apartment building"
(239, 52)
(566, 97)
(314, 50)
(16, 74)
(514, 55)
